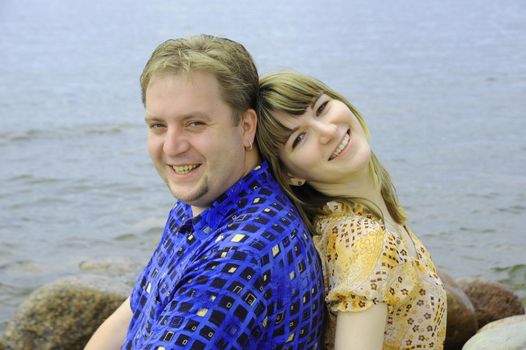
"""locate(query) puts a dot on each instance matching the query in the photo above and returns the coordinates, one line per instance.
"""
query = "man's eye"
(321, 108)
(156, 126)
(298, 139)
(195, 123)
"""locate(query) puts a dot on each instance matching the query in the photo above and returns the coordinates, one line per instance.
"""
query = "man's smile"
(184, 169)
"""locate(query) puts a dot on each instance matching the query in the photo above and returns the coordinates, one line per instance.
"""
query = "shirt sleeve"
(218, 304)
(364, 266)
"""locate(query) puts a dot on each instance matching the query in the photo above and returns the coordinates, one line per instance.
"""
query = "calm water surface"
(442, 85)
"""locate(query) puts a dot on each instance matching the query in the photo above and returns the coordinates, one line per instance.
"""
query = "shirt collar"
(226, 204)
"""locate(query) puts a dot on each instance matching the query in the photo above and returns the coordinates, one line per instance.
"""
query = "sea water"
(441, 84)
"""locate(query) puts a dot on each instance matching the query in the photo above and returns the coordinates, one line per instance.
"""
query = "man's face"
(192, 140)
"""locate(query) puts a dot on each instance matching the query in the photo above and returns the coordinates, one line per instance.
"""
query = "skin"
(196, 149)
(318, 152)
(189, 125)
(362, 330)
(310, 151)
(111, 334)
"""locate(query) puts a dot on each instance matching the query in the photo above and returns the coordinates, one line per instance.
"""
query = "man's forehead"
(187, 75)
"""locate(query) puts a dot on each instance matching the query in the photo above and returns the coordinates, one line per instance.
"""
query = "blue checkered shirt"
(243, 274)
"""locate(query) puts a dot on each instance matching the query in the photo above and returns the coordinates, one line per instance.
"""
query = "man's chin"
(193, 197)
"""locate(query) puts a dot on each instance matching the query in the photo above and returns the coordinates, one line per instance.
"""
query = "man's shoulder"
(266, 209)
(257, 217)
(265, 230)
(266, 196)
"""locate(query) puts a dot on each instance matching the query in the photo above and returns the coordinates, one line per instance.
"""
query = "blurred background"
(441, 84)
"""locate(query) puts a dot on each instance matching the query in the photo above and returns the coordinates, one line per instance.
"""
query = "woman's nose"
(326, 131)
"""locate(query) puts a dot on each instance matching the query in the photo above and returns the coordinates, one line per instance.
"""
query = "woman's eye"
(297, 140)
(321, 108)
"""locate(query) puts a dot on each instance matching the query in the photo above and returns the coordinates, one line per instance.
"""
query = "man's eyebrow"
(316, 100)
(149, 118)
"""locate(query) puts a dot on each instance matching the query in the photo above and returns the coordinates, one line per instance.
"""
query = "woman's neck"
(360, 186)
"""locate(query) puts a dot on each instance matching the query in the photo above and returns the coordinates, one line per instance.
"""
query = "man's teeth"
(185, 169)
(341, 147)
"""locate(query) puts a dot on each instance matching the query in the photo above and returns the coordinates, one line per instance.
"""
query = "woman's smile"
(343, 147)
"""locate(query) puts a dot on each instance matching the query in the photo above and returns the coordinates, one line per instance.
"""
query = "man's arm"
(112, 332)
(220, 303)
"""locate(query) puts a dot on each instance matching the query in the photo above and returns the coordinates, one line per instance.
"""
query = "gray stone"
(3, 345)
(110, 266)
(461, 319)
(64, 314)
(492, 301)
(505, 334)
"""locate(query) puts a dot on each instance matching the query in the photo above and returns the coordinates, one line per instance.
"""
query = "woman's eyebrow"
(316, 100)
(289, 133)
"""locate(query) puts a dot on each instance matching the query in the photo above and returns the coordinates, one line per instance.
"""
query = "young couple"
(268, 235)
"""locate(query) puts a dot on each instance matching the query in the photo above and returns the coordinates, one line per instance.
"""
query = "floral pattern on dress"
(365, 264)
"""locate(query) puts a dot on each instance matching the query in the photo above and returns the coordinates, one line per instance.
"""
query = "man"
(235, 267)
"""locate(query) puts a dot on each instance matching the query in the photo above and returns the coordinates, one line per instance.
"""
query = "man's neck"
(197, 210)
(251, 162)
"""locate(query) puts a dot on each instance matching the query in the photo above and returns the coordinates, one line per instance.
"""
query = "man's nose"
(175, 142)
(326, 131)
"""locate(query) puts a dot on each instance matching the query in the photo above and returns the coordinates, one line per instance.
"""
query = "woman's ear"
(249, 121)
(295, 181)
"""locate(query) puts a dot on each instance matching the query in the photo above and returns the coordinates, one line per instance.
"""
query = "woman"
(382, 289)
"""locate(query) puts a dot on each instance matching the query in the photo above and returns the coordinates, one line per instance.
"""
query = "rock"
(110, 266)
(3, 345)
(461, 318)
(64, 314)
(492, 301)
(505, 334)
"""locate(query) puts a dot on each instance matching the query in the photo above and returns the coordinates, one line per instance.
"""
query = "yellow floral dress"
(364, 264)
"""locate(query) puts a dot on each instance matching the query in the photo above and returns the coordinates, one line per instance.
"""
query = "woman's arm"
(362, 330)
(112, 332)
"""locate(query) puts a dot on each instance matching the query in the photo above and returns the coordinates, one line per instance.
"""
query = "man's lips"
(184, 168)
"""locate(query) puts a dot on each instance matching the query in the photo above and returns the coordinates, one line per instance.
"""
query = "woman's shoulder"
(346, 219)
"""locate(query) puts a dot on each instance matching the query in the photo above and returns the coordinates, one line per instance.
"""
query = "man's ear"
(249, 121)
(295, 181)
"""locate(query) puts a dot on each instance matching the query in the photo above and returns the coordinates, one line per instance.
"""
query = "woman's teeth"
(341, 147)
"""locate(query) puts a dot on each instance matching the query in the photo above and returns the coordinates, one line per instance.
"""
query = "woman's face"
(327, 146)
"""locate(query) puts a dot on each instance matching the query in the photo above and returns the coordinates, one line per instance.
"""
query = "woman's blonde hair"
(292, 93)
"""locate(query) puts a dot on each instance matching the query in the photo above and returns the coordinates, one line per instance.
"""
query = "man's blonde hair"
(227, 60)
